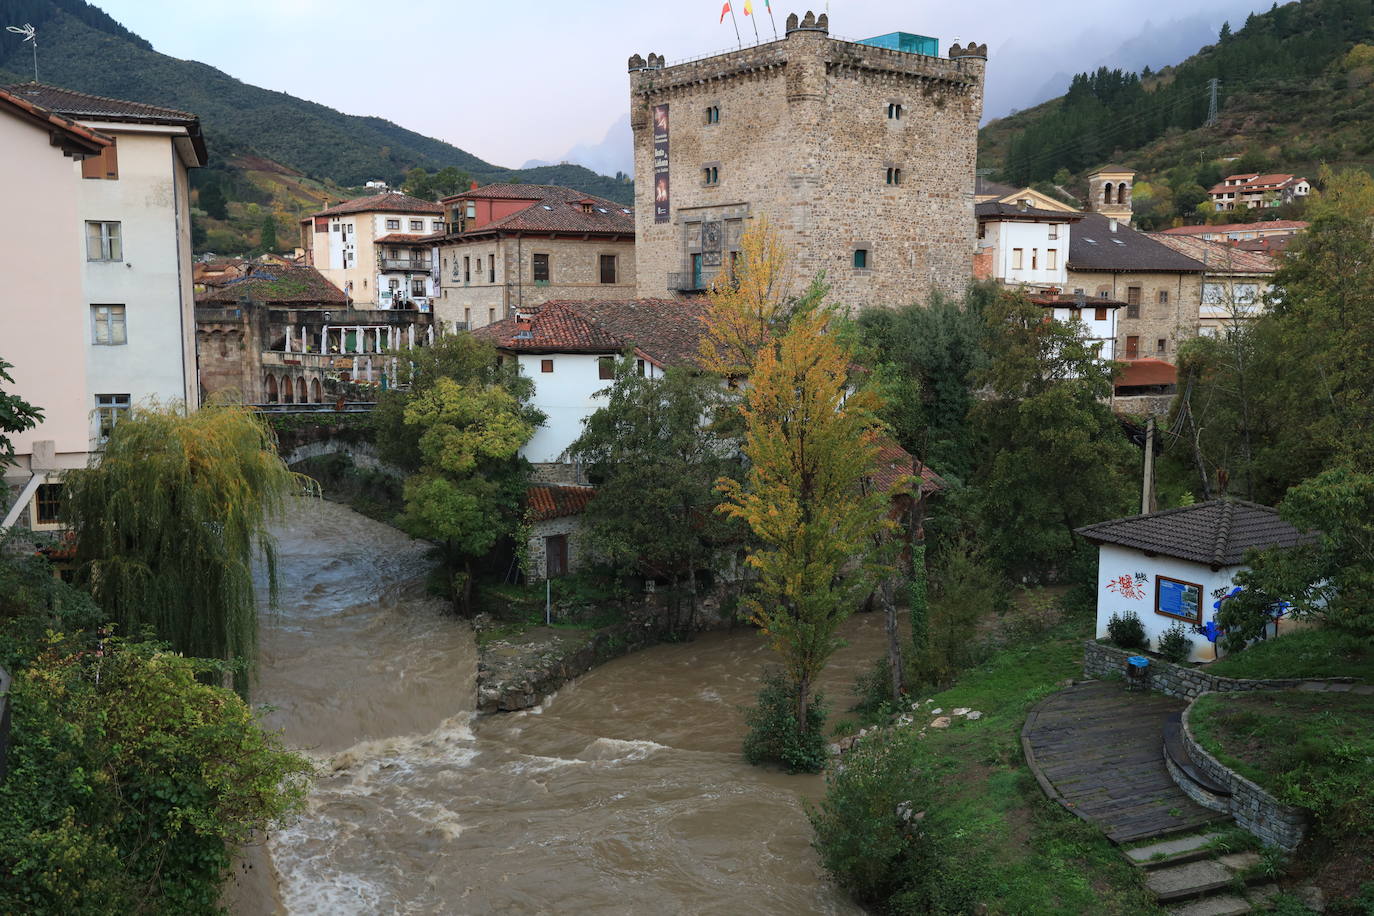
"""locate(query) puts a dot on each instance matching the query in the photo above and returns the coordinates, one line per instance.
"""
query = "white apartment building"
(377, 249)
(1021, 245)
(132, 326)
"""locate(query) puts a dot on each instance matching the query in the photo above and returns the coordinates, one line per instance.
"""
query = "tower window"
(894, 175)
(713, 114)
(710, 175)
(894, 111)
(860, 258)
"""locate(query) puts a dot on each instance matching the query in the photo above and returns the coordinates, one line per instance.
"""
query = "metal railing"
(689, 282)
(331, 407)
(406, 264)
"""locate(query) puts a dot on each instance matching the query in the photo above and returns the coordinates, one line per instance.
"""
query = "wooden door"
(556, 555)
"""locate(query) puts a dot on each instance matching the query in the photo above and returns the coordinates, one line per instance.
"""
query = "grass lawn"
(1313, 652)
(990, 842)
(1313, 750)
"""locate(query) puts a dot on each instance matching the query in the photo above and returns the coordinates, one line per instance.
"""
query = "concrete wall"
(1173, 322)
(804, 139)
(567, 396)
(44, 318)
(1114, 562)
(152, 282)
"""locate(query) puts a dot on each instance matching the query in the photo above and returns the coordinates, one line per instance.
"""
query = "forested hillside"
(1295, 92)
(251, 131)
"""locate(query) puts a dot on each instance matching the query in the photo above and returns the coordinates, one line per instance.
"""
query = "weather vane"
(30, 35)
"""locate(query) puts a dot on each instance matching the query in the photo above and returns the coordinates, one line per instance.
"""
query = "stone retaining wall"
(1183, 681)
(1275, 823)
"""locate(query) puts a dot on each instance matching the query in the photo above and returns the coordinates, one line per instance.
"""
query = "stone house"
(554, 515)
(279, 334)
(861, 157)
(1234, 285)
(1177, 565)
(515, 247)
(376, 248)
(1162, 288)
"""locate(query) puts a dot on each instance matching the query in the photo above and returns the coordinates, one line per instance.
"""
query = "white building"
(135, 323)
(377, 249)
(1248, 191)
(569, 349)
(1176, 565)
(1022, 245)
(1096, 317)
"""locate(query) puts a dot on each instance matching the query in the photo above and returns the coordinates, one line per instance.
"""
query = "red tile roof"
(386, 202)
(552, 208)
(895, 463)
(1295, 225)
(550, 501)
(402, 238)
(1255, 183)
(84, 106)
(77, 138)
(1219, 257)
(271, 284)
(665, 331)
(1147, 371)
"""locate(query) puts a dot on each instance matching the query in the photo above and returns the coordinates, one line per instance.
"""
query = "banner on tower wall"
(661, 193)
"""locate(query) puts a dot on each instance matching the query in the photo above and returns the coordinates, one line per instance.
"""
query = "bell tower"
(1109, 192)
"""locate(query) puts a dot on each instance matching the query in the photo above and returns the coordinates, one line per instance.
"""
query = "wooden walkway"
(1098, 750)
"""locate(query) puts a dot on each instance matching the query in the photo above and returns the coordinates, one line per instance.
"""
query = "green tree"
(267, 234)
(16, 416)
(168, 523)
(213, 202)
(655, 459)
(811, 447)
(1053, 457)
(131, 784)
(472, 479)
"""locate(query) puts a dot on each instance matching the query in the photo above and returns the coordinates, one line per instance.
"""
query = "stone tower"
(1109, 192)
(861, 157)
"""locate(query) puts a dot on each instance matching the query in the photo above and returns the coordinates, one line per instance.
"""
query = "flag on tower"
(748, 8)
(723, 10)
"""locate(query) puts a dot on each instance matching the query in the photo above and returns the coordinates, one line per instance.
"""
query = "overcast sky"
(511, 81)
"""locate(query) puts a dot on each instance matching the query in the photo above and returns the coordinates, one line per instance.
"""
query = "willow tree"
(812, 446)
(168, 523)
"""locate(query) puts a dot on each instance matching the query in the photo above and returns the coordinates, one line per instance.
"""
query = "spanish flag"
(723, 10)
(748, 7)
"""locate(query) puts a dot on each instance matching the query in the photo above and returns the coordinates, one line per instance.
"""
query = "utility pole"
(1212, 85)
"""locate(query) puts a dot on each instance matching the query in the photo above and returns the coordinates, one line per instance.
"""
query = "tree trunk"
(894, 645)
(803, 695)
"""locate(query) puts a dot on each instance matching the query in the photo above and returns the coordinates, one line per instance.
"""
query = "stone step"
(1173, 852)
(1260, 894)
(1183, 882)
(1239, 861)
(1220, 905)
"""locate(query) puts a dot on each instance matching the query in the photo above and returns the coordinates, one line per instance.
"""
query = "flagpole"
(757, 40)
(768, 6)
(735, 22)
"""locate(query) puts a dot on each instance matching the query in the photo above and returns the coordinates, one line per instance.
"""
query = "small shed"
(554, 513)
(1174, 565)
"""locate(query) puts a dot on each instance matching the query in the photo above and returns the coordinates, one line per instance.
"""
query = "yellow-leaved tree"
(811, 445)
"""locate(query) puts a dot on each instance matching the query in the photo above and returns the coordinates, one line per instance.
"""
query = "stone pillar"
(410, 337)
(305, 344)
(290, 332)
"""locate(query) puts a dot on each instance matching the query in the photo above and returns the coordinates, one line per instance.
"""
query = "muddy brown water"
(625, 792)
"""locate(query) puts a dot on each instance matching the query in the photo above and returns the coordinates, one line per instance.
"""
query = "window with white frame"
(417, 225)
(103, 242)
(107, 326)
(109, 410)
(1018, 257)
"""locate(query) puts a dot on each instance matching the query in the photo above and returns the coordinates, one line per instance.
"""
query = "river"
(623, 793)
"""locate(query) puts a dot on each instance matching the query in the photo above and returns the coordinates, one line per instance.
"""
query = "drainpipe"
(519, 274)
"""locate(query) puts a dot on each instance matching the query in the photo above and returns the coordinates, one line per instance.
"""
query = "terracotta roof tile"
(78, 137)
(271, 284)
(403, 238)
(552, 208)
(666, 331)
(385, 202)
(895, 463)
(1218, 257)
(550, 501)
(1214, 533)
(1146, 371)
(93, 107)
(1296, 225)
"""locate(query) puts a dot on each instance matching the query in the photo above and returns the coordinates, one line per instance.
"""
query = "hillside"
(1296, 91)
(323, 153)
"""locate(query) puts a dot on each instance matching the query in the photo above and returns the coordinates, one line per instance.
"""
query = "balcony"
(690, 282)
(422, 265)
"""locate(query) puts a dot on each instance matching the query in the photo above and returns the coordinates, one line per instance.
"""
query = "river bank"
(624, 792)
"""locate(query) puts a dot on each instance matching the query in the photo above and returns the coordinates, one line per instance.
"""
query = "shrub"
(773, 736)
(867, 827)
(1175, 645)
(1127, 631)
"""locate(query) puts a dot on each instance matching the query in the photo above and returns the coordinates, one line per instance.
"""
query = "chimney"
(1112, 223)
(473, 186)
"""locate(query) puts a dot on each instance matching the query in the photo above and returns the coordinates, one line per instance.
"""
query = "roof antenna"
(29, 35)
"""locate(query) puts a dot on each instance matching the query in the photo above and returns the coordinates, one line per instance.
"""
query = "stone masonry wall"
(804, 140)
(1275, 823)
(1173, 322)
(1102, 661)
